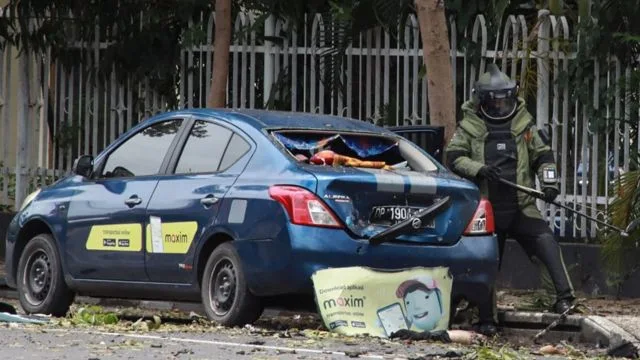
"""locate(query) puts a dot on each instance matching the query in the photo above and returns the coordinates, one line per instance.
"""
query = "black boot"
(487, 328)
(563, 306)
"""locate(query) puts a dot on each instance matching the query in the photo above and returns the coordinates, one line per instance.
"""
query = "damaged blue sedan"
(229, 207)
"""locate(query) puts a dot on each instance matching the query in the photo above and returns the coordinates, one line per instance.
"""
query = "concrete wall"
(583, 263)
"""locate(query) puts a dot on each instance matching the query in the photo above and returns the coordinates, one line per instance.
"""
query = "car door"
(106, 217)
(429, 138)
(185, 203)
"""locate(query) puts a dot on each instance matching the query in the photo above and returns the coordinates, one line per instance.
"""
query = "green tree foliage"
(611, 30)
(146, 36)
(142, 46)
(621, 255)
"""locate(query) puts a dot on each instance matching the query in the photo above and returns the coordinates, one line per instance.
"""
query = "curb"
(605, 333)
(541, 319)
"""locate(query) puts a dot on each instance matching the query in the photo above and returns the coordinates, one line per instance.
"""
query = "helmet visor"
(499, 106)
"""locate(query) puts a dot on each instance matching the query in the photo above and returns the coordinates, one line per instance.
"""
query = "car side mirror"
(83, 165)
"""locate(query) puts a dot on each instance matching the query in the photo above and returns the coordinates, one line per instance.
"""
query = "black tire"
(225, 295)
(40, 279)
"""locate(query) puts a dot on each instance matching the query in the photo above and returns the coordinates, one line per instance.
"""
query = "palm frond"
(620, 253)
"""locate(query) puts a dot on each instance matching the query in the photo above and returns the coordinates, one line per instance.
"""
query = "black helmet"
(497, 94)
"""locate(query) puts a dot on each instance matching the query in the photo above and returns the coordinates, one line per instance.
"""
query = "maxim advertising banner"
(359, 300)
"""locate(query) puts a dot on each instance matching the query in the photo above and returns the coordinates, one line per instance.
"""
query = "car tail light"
(304, 207)
(482, 221)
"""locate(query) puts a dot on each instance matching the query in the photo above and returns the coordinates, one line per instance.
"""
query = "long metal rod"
(540, 195)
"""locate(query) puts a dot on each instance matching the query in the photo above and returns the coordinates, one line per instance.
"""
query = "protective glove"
(489, 172)
(550, 194)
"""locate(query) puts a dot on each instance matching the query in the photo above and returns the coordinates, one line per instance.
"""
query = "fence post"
(23, 114)
(542, 86)
(269, 66)
(542, 110)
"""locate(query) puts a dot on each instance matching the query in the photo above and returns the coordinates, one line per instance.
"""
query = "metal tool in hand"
(540, 195)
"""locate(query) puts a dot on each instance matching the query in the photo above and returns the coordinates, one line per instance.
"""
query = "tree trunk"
(22, 156)
(222, 42)
(436, 49)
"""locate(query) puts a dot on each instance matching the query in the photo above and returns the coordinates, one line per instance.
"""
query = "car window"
(143, 153)
(366, 150)
(236, 149)
(203, 150)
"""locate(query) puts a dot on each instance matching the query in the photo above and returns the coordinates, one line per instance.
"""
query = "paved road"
(183, 336)
(35, 342)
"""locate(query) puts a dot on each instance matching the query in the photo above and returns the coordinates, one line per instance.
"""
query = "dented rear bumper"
(285, 265)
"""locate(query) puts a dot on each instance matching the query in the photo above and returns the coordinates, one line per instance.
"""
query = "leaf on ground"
(488, 353)
(140, 325)
(91, 315)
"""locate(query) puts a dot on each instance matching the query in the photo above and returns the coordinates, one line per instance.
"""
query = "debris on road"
(625, 349)
(552, 350)
(8, 314)
(17, 318)
(7, 308)
(94, 315)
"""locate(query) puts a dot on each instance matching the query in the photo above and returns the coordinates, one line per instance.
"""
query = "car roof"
(262, 119)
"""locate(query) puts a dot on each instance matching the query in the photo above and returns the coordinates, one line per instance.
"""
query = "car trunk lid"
(369, 201)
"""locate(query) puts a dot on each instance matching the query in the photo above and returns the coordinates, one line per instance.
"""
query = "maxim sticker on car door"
(170, 237)
(115, 237)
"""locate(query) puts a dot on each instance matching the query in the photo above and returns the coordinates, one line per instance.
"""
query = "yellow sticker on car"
(115, 237)
(175, 238)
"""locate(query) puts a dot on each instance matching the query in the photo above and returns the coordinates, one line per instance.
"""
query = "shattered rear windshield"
(342, 149)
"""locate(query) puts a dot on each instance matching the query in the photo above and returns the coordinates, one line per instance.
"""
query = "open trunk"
(384, 181)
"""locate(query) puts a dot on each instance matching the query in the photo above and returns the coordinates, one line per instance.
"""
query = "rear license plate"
(391, 215)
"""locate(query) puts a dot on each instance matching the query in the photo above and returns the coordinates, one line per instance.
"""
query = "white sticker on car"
(156, 234)
(237, 211)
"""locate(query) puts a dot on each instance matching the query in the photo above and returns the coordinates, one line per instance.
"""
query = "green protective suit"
(517, 148)
(466, 152)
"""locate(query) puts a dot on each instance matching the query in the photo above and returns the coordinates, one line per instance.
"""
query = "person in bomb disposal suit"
(497, 137)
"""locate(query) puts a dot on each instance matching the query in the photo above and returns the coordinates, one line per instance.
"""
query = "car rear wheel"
(225, 295)
(41, 285)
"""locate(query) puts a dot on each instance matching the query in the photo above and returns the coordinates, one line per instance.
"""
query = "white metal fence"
(70, 114)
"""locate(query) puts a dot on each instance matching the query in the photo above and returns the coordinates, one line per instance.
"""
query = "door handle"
(208, 200)
(133, 201)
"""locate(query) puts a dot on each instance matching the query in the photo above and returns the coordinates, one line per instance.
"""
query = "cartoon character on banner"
(422, 301)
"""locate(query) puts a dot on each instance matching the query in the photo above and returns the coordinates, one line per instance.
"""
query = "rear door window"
(236, 149)
(202, 153)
